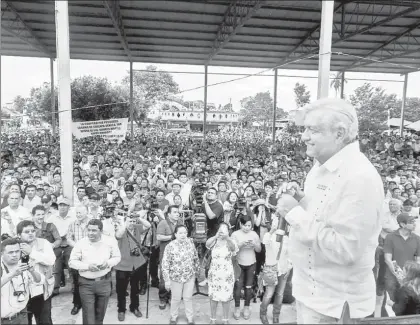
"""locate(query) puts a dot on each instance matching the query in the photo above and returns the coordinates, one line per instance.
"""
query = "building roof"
(396, 122)
(240, 33)
(414, 126)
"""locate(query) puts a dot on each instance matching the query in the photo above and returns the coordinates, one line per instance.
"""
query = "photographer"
(16, 277)
(213, 210)
(39, 253)
(133, 263)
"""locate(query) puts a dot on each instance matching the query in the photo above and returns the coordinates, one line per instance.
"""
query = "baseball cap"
(46, 198)
(95, 196)
(64, 200)
(405, 218)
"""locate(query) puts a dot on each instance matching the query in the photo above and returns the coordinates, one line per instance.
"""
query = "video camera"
(197, 193)
(240, 204)
(109, 211)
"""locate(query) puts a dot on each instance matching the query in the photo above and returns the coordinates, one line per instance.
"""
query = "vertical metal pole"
(131, 101)
(205, 102)
(325, 40)
(343, 79)
(403, 104)
(275, 105)
(1, 122)
(64, 95)
(53, 113)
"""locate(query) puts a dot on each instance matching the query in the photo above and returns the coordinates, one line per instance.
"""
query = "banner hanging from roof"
(115, 129)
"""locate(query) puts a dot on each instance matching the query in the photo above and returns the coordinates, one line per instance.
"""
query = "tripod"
(199, 247)
(149, 275)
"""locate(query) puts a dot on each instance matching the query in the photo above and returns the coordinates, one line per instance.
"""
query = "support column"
(131, 101)
(1, 122)
(404, 96)
(205, 102)
(64, 95)
(53, 113)
(343, 80)
(275, 105)
(325, 40)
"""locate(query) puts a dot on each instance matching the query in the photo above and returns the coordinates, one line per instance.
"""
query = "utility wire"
(233, 80)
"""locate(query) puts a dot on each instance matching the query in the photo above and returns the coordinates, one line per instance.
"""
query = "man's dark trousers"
(123, 278)
(94, 294)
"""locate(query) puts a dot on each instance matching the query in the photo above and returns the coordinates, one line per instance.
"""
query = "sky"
(20, 74)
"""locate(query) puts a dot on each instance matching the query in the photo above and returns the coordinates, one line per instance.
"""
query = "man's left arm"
(344, 236)
(115, 256)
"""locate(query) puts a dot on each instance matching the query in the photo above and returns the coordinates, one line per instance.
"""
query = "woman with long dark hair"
(249, 244)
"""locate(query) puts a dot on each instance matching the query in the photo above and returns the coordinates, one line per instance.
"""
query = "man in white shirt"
(94, 256)
(16, 277)
(13, 213)
(62, 221)
(41, 254)
(335, 224)
(31, 200)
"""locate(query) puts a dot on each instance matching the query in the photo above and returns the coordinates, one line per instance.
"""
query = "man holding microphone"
(336, 222)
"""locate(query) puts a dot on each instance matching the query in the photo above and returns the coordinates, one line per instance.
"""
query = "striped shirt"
(77, 230)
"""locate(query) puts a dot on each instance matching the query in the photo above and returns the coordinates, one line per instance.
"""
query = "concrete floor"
(62, 305)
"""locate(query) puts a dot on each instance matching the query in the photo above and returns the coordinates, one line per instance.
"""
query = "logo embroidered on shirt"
(321, 187)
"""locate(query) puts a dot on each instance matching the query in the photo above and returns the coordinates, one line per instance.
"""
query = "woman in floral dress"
(221, 278)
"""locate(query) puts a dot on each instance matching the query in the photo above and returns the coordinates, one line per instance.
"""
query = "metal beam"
(64, 95)
(404, 97)
(12, 22)
(310, 43)
(131, 102)
(399, 48)
(324, 65)
(53, 112)
(236, 15)
(114, 12)
(275, 105)
(205, 101)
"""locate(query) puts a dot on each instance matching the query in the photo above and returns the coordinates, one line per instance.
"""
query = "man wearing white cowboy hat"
(176, 190)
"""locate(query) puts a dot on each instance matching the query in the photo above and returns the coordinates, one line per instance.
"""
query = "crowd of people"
(140, 208)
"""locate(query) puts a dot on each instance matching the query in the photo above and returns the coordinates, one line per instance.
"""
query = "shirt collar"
(346, 153)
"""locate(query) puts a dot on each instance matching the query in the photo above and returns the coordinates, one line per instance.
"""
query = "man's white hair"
(342, 114)
(393, 200)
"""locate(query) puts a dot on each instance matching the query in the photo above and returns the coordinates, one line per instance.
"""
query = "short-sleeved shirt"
(164, 229)
(402, 250)
(217, 209)
(48, 231)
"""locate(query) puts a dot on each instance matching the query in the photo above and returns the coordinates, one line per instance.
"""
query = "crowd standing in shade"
(134, 213)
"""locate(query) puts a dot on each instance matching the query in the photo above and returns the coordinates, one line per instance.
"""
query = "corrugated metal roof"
(184, 32)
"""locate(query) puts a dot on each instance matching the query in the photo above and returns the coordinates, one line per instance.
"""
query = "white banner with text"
(115, 129)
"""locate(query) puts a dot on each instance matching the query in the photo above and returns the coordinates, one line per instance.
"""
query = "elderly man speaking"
(336, 221)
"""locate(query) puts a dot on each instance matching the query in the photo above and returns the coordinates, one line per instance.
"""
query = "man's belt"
(15, 315)
(106, 276)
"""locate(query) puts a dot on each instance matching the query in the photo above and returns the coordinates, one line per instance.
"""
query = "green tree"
(149, 87)
(96, 93)
(372, 104)
(102, 99)
(302, 95)
(336, 83)
(259, 108)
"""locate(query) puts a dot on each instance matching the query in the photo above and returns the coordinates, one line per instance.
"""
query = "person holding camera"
(16, 278)
(213, 210)
(94, 256)
(39, 253)
(133, 262)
